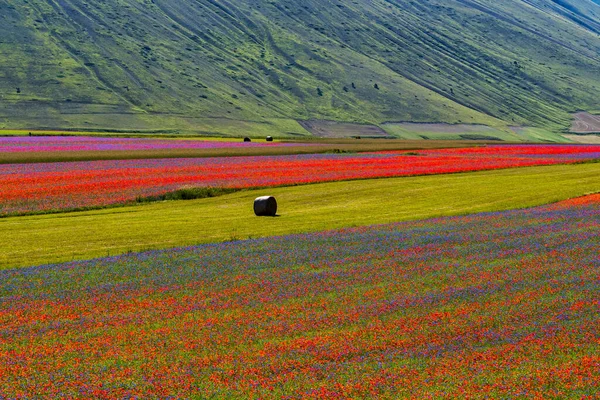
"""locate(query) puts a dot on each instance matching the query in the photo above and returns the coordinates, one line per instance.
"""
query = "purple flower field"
(84, 143)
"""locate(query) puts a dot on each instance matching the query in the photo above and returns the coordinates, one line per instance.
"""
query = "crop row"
(30, 188)
(495, 305)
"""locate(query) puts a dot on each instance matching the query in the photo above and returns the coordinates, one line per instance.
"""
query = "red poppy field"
(44, 187)
(492, 305)
(497, 304)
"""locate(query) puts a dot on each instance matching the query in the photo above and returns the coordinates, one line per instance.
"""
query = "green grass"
(254, 67)
(540, 135)
(449, 132)
(473, 132)
(35, 240)
(148, 125)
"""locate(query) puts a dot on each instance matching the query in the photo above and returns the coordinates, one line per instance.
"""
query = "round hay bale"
(269, 138)
(265, 206)
(247, 139)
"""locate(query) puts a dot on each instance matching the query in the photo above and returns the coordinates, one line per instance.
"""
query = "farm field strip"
(19, 144)
(34, 188)
(488, 305)
(40, 239)
(254, 148)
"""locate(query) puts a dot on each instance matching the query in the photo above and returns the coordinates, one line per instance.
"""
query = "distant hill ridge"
(220, 66)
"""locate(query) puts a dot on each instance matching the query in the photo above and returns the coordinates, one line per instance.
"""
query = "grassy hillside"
(35, 240)
(222, 67)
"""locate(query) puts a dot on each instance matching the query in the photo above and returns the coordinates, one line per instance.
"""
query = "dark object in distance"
(269, 138)
(247, 139)
(265, 206)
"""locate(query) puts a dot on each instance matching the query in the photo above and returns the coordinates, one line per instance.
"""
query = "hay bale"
(269, 138)
(247, 139)
(265, 206)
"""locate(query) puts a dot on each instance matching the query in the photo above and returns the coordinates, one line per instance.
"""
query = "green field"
(410, 131)
(147, 125)
(539, 135)
(36, 240)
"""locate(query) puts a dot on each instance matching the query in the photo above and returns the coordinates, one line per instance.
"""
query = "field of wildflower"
(46, 149)
(492, 305)
(43, 187)
(14, 144)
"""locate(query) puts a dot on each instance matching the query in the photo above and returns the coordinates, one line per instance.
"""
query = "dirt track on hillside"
(585, 123)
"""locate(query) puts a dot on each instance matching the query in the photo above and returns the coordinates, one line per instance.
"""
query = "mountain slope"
(203, 64)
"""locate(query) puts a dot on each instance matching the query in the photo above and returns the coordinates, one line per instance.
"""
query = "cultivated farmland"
(44, 187)
(15, 149)
(487, 305)
(41, 239)
(390, 271)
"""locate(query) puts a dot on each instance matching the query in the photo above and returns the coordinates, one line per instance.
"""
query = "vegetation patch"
(119, 148)
(585, 139)
(389, 311)
(77, 143)
(441, 131)
(333, 129)
(188, 193)
(474, 136)
(131, 65)
(34, 240)
(34, 188)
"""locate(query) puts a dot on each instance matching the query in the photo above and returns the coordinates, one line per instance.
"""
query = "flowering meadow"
(14, 144)
(493, 305)
(31, 188)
